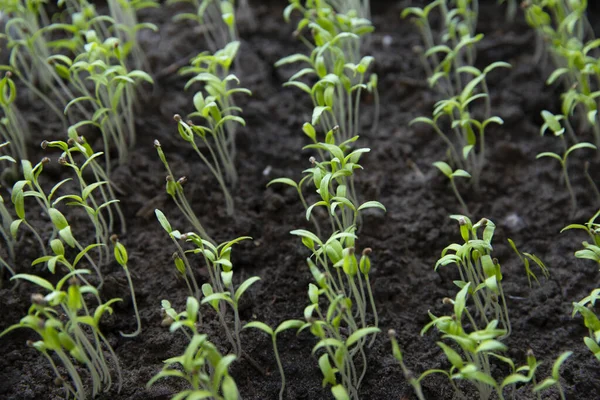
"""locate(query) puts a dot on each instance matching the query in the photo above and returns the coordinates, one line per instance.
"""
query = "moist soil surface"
(523, 196)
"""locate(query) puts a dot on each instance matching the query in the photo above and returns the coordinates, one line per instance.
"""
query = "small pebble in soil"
(513, 222)
(267, 171)
(386, 41)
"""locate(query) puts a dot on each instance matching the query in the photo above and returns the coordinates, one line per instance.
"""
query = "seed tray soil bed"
(522, 195)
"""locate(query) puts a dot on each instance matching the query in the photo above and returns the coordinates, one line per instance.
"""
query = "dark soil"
(522, 195)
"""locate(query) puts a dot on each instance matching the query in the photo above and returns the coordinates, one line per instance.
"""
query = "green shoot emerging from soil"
(478, 269)
(478, 347)
(554, 379)
(174, 188)
(336, 62)
(216, 18)
(13, 127)
(5, 223)
(69, 331)
(221, 291)
(552, 123)
(449, 63)
(346, 308)
(215, 105)
(285, 325)
(202, 366)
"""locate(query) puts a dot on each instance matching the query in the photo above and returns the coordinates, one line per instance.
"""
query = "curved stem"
(135, 307)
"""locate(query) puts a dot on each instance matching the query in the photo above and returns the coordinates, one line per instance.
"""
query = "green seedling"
(202, 365)
(590, 251)
(455, 48)
(563, 160)
(25, 39)
(478, 348)
(216, 107)
(469, 151)
(554, 379)
(335, 96)
(585, 307)
(299, 189)
(566, 34)
(190, 318)
(215, 104)
(30, 187)
(329, 18)
(221, 290)
(7, 220)
(97, 198)
(479, 270)
(334, 183)
(124, 15)
(336, 359)
(217, 19)
(174, 188)
(110, 103)
(70, 332)
(408, 375)
(525, 259)
(449, 63)
(204, 369)
(13, 127)
(451, 175)
(122, 23)
(336, 61)
(122, 258)
(180, 259)
(346, 307)
(289, 324)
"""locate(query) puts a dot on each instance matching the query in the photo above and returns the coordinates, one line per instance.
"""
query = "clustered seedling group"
(85, 64)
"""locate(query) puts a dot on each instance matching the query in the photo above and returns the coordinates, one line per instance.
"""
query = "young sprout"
(174, 188)
(122, 258)
(124, 15)
(408, 375)
(447, 170)
(218, 109)
(336, 61)
(13, 126)
(204, 367)
(285, 325)
(564, 166)
(221, 290)
(6, 222)
(110, 103)
(525, 259)
(554, 379)
(591, 251)
(478, 269)
(478, 348)
(334, 183)
(97, 197)
(299, 189)
(31, 187)
(205, 370)
(181, 261)
(74, 338)
(346, 308)
(585, 307)
(216, 18)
